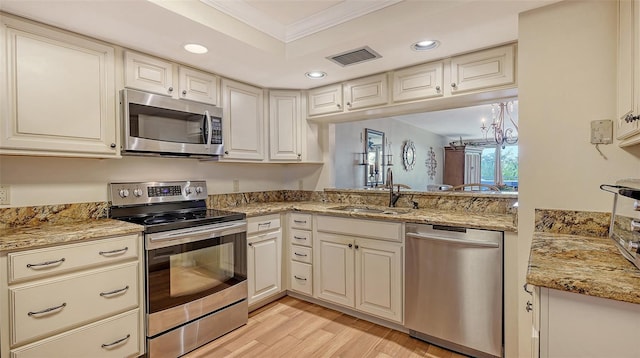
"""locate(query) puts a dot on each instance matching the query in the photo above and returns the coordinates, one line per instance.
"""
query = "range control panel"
(123, 194)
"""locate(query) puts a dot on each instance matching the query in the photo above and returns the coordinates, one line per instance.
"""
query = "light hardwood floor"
(293, 328)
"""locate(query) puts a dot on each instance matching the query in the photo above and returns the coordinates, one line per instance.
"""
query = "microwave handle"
(207, 117)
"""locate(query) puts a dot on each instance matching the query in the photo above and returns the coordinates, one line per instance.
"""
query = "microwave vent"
(353, 57)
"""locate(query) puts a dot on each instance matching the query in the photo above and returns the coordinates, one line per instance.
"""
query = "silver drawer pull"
(47, 310)
(118, 251)
(46, 263)
(267, 224)
(107, 345)
(300, 221)
(300, 278)
(114, 292)
(297, 254)
(299, 238)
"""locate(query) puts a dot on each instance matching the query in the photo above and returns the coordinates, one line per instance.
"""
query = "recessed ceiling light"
(315, 75)
(196, 48)
(425, 45)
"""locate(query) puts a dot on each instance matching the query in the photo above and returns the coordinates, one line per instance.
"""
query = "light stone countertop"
(582, 264)
(499, 222)
(31, 237)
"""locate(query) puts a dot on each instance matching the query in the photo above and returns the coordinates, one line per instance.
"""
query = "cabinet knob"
(437, 88)
(349, 104)
(338, 104)
(454, 85)
(170, 89)
(350, 246)
(113, 145)
(357, 247)
(184, 92)
(226, 152)
(529, 307)
(250, 244)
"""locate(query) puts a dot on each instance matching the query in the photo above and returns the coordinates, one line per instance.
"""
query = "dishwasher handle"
(469, 243)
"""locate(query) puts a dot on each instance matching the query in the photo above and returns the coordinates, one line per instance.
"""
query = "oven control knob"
(635, 225)
(636, 205)
(188, 190)
(633, 246)
(198, 190)
(137, 192)
(123, 193)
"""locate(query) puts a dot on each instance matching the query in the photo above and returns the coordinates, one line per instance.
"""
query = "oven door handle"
(170, 238)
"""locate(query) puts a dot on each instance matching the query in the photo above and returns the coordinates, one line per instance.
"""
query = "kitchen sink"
(368, 210)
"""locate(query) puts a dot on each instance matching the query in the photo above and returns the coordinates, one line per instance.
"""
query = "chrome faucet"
(393, 198)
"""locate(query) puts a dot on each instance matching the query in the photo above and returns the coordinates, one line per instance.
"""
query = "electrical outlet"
(602, 131)
(4, 195)
(236, 185)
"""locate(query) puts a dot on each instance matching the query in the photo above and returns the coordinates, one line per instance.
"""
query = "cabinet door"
(628, 49)
(379, 279)
(325, 100)
(366, 92)
(148, 73)
(482, 69)
(58, 93)
(419, 82)
(198, 86)
(243, 126)
(285, 117)
(334, 275)
(472, 172)
(264, 265)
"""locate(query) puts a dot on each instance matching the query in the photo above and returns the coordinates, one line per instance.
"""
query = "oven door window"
(183, 273)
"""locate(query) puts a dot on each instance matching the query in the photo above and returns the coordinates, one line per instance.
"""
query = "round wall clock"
(408, 155)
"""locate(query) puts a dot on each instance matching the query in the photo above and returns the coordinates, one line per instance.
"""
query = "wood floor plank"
(291, 327)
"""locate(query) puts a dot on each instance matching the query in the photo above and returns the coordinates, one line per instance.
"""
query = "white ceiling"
(286, 38)
(272, 43)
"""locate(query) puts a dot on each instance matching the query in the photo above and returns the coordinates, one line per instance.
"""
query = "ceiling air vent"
(352, 57)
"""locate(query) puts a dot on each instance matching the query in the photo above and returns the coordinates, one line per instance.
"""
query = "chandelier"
(503, 133)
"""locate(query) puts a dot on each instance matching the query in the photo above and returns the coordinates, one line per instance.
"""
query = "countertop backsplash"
(571, 222)
(52, 214)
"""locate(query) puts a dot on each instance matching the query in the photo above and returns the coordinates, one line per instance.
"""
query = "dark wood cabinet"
(462, 165)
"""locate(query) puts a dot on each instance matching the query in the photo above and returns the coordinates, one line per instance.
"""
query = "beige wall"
(567, 78)
(42, 181)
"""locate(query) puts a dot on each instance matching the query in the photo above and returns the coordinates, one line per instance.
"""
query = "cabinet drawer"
(300, 221)
(300, 253)
(113, 337)
(301, 237)
(56, 304)
(53, 260)
(263, 223)
(301, 277)
(362, 228)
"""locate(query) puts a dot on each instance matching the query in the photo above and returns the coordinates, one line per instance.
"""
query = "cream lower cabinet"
(57, 93)
(575, 325)
(359, 272)
(264, 257)
(76, 300)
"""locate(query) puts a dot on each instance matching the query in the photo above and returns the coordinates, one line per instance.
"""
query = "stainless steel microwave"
(160, 125)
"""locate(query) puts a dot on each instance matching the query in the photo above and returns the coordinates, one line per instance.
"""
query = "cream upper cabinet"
(418, 82)
(160, 76)
(325, 100)
(243, 121)
(366, 92)
(285, 125)
(627, 128)
(483, 69)
(57, 93)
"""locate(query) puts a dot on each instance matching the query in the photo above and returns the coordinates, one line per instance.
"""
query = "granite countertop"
(582, 264)
(499, 222)
(34, 236)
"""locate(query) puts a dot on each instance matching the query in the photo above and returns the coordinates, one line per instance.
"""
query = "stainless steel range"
(624, 228)
(196, 263)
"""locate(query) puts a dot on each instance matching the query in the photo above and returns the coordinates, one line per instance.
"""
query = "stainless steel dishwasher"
(454, 288)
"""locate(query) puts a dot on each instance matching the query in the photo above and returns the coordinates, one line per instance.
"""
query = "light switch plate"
(4, 195)
(602, 131)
